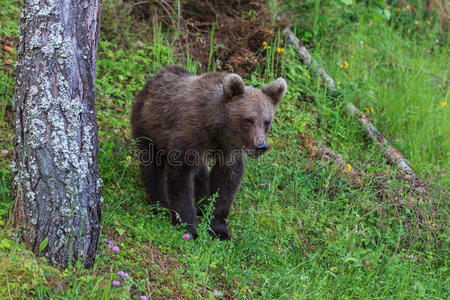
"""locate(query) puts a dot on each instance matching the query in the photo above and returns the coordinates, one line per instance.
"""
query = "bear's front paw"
(219, 230)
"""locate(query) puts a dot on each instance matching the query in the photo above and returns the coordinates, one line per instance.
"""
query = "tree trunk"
(56, 185)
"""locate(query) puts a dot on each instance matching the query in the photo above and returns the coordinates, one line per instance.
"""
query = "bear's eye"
(248, 121)
(266, 125)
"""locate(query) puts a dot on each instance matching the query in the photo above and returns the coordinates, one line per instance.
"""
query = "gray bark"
(307, 60)
(56, 185)
(393, 156)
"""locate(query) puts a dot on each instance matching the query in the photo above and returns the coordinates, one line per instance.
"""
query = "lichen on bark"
(56, 182)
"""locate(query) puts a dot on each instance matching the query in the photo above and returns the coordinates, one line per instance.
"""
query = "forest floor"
(301, 227)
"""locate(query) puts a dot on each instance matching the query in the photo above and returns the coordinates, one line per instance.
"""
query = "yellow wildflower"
(408, 7)
(444, 103)
(265, 45)
(279, 50)
(351, 56)
(428, 22)
(388, 7)
(371, 109)
(345, 64)
(349, 167)
(367, 110)
(341, 66)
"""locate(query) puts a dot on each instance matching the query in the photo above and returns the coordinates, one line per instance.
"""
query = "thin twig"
(168, 9)
(132, 5)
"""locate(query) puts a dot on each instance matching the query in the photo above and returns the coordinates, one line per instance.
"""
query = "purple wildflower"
(143, 297)
(116, 283)
(126, 276)
(123, 275)
(115, 249)
(411, 256)
(186, 237)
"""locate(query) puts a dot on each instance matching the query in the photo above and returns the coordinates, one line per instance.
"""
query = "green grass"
(405, 85)
(300, 229)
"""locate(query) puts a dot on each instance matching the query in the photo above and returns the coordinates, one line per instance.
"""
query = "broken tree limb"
(323, 153)
(307, 60)
(393, 156)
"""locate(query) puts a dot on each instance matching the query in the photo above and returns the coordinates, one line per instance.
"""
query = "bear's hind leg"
(152, 174)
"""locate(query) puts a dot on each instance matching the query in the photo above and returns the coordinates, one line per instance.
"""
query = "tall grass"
(212, 49)
(406, 84)
(300, 229)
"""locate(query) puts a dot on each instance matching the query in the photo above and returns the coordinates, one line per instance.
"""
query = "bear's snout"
(261, 148)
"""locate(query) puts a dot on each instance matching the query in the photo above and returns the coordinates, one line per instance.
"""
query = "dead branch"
(307, 60)
(393, 156)
(322, 152)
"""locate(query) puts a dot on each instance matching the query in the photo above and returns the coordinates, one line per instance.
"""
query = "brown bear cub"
(182, 121)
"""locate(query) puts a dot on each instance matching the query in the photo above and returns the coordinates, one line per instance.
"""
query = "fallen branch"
(307, 60)
(322, 152)
(393, 156)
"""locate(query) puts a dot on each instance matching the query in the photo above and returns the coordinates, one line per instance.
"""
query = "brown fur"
(178, 118)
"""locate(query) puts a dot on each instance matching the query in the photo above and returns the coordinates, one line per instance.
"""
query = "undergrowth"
(300, 228)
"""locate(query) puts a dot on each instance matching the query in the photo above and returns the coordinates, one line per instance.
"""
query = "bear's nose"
(261, 148)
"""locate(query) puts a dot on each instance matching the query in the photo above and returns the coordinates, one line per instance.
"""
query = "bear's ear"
(233, 86)
(276, 90)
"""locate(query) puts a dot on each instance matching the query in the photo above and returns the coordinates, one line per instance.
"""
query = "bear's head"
(250, 112)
